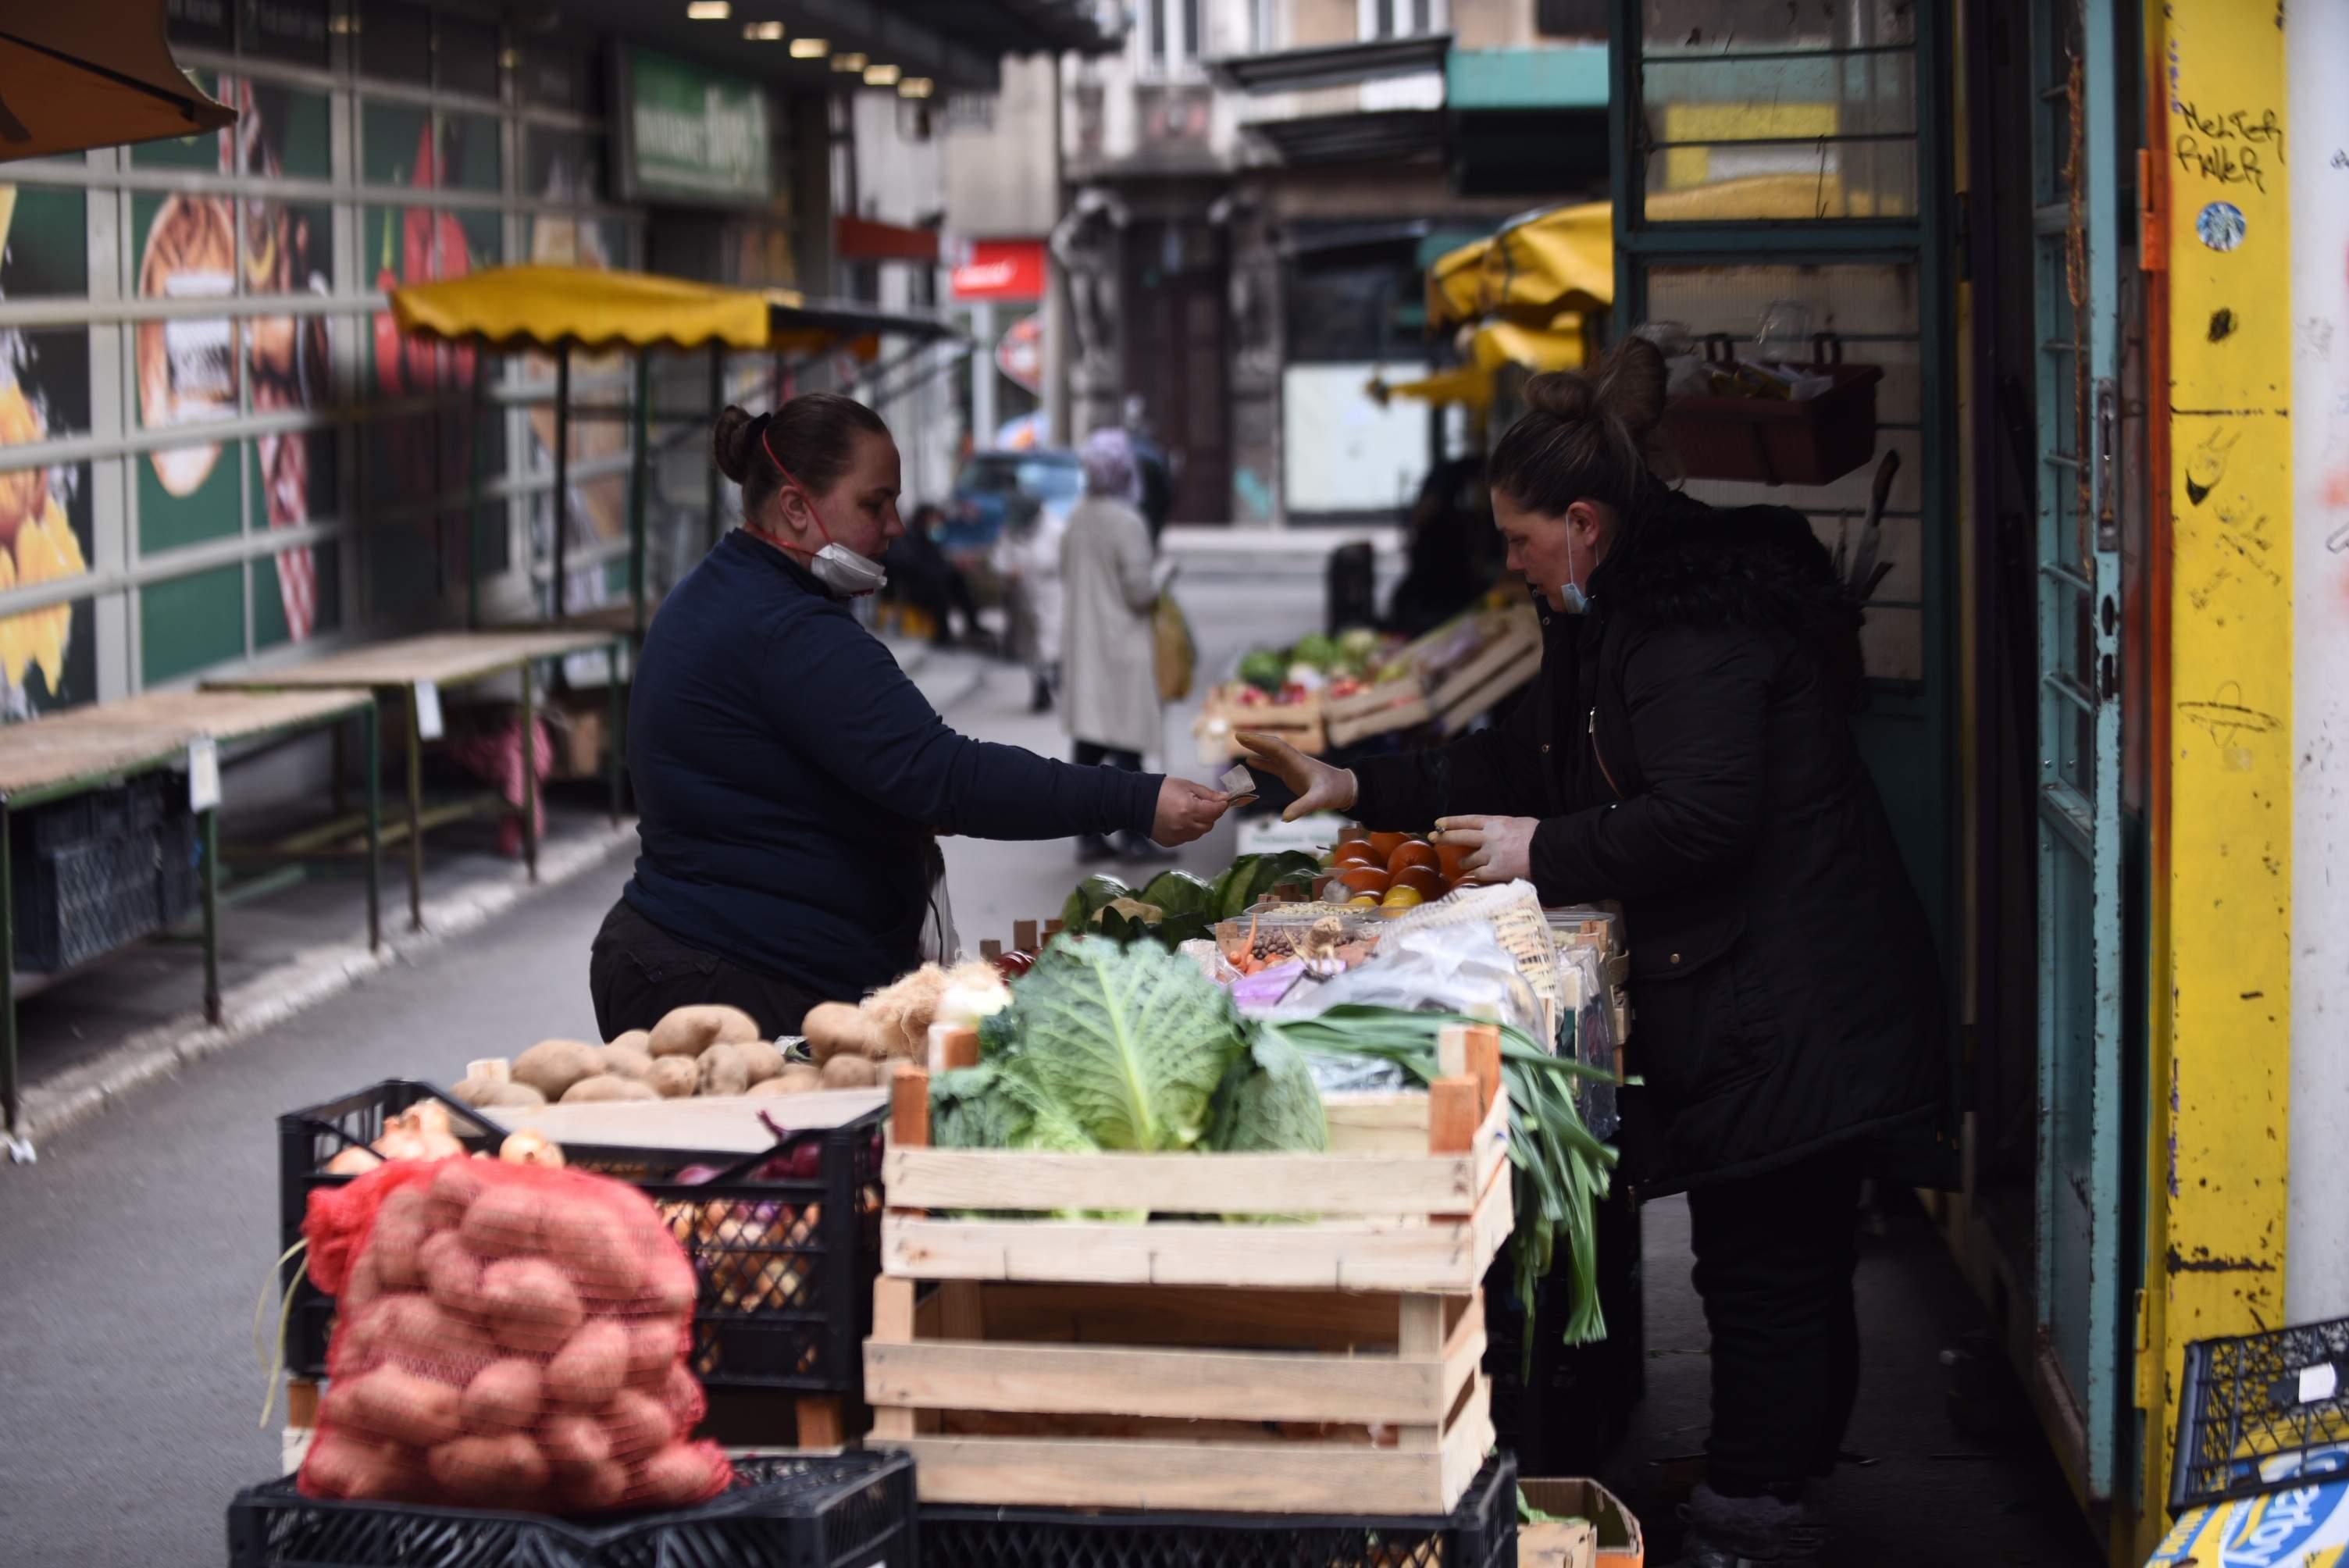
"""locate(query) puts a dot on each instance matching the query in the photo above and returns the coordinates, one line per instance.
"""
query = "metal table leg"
(414, 815)
(18, 1149)
(529, 737)
(373, 751)
(209, 824)
(618, 722)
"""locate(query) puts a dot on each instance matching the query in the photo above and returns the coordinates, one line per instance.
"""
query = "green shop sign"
(690, 135)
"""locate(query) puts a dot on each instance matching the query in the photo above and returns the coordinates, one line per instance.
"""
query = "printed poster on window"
(47, 657)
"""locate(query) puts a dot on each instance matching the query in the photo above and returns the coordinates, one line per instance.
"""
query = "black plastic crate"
(83, 899)
(180, 868)
(2255, 1407)
(849, 1511)
(1481, 1533)
(786, 1264)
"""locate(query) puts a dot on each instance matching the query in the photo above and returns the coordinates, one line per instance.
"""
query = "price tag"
(2319, 1383)
(428, 710)
(204, 774)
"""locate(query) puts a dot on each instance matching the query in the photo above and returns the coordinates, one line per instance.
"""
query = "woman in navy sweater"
(791, 782)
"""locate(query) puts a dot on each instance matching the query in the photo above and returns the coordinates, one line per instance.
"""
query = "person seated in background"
(1452, 561)
(922, 578)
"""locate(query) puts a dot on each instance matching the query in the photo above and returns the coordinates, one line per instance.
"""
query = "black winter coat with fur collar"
(1688, 751)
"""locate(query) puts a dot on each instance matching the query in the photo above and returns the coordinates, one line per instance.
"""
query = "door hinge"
(2153, 236)
(2109, 431)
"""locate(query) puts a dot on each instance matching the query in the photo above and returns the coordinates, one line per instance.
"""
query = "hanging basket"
(1780, 441)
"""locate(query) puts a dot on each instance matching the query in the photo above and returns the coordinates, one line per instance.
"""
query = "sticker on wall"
(2220, 224)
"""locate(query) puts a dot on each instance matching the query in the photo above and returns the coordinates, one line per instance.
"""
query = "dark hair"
(812, 436)
(1587, 436)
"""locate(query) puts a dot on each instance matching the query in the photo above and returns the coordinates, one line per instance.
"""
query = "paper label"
(2319, 1383)
(428, 710)
(204, 774)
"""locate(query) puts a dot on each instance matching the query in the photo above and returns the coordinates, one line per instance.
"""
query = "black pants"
(1774, 1257)
(638, 973)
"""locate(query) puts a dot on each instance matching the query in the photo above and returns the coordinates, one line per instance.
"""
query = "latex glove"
(1186, 811)
(1501, 849)
(1319, 787)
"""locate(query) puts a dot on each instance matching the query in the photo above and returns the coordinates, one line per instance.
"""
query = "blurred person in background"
(1027, 560)
(1109, 675)
(1453, 555)
(922, 578)
(1154, 479)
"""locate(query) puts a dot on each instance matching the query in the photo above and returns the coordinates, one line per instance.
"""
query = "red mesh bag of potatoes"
(507, 1337)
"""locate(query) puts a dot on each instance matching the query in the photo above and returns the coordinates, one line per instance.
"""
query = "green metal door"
(2076, 257)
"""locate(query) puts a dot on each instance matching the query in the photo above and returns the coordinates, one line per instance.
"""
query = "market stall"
(1180, 1216)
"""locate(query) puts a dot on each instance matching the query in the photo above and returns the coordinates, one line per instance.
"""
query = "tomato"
(1414, 852)
(1448, 859)
(1385, 844)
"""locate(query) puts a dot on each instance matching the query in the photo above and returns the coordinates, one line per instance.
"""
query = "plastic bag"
(507, 1337)
(1440, 969)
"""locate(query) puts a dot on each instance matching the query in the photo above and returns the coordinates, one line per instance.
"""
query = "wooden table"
(88, 748)
(410, 665)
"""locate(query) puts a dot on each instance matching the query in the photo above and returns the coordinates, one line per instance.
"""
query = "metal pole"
(415, 814)
(209, 823)
(640, 481)
(619, 721)
(562, 471)
(474, 506)
(17, 1147)
(530, 766)
(717, 407)
(373, 750)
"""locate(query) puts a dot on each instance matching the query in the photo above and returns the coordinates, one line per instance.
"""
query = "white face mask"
(1572, 597)
(847, 574)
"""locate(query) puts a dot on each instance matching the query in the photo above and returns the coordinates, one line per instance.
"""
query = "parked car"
(996, 490)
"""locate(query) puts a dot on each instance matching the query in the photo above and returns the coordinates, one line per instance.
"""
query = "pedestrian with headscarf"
(1110, 581)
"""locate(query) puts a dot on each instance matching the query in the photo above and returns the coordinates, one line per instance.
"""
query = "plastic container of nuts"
(1328, 937)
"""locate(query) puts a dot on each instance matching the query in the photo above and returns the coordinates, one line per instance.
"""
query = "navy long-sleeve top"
(790, 780)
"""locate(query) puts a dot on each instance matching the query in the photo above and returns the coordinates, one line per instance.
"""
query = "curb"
(276, 994)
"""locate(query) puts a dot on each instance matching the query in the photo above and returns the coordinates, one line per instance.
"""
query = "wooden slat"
(893, 1324)
(1190, 1384)
(224, 715)
(1464, 1447)
(1419, 1339)
(45, 753)
(725, 1124)
(1181, 1183)
(1269, 1477)
(1188, 1315)
(447, 658)
(1337, 1255)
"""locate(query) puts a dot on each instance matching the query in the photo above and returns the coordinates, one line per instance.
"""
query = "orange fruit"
(1385, 844)
(1414, 852)
(1364, 880)
(1402, 895)
(1355, 853)
(1425, 884)
(1448, 858)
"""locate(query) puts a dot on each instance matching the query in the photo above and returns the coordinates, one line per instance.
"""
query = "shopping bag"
(1177, 655)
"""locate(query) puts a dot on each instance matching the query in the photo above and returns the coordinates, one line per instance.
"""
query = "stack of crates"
(101, 870)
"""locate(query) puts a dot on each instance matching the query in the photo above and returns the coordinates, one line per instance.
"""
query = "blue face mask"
(1572, 597)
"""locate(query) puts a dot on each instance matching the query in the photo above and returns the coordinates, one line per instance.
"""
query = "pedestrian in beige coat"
(1109, 680)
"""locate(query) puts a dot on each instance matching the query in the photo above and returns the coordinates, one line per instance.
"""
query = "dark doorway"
(1177, 332)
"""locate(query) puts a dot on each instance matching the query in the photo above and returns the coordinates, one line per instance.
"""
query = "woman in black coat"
(1688, 751)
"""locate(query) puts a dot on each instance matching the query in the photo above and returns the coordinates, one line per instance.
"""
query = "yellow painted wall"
(2221, 974)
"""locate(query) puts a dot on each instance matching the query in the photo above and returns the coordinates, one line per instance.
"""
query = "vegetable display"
(1175, 907)
(508, 1335)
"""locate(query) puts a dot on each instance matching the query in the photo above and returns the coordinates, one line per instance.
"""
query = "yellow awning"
(547, 307)
(1564, 258)
(93, 73)
(1557, 346)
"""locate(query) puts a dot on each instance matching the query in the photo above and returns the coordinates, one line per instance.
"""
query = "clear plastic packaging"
(1325, 936)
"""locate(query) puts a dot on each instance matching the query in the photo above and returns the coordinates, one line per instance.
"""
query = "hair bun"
(1561, 395)
(733, 442)
(1631, 382)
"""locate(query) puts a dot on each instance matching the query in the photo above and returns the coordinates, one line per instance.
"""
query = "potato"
(401, 1227)
(639, 1425)
(505, 1471)
(761, 1058)
(689, 1031)
(599, 1248)
(626, 1061)
(654, 1344)
(530, 1305)
(342, 1465)
(673, 1284)
(724, 1070)
(504, 1220)
(392, 1405)
(680, 1474)
(552, 1066)
(606, 1086)
(674, 1078)
(452, 1273)
(503, 1397)
(851, 1072)
(411, 1331)
(485, 1093)
(593, 1488)
(364, 1283)
(681, 1392)
(454, 1186)
(836, 1028)
(590, 1367)
(574, 1442)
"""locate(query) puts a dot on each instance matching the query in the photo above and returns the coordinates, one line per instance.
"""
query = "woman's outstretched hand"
(1318, 786)
(1500, 848)
(1186, 811)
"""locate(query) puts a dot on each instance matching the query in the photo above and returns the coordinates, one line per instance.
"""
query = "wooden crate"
(1330, 1365)
(1511, 657)
(1223, 715)
(1381, 709)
